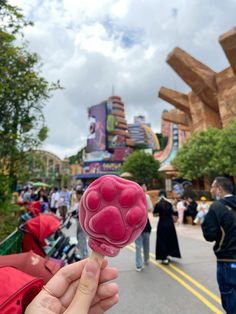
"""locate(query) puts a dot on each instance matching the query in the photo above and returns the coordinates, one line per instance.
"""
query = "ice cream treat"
(113, 212)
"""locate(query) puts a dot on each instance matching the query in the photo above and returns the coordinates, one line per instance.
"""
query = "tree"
(77, 158)
(144, 167)
(208, 153)
(226, 149)
(23, 95)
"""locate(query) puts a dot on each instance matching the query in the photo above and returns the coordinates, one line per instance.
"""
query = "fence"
(12, 244)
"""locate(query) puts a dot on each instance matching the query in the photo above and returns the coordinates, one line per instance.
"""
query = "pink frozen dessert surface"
(113, 212)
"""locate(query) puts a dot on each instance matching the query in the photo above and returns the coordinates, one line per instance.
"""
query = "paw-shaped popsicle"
(113, 212)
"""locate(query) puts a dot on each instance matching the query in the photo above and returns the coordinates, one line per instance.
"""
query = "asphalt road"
(187, 285)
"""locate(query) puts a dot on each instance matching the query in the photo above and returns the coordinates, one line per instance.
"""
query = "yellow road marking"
(192, 280)
(183, 283)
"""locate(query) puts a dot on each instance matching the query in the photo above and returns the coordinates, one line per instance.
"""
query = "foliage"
(227, 149)
(8, 219)
(140, 146)
(144, 167)
(23, 95)
(208, 153)
(77, 158)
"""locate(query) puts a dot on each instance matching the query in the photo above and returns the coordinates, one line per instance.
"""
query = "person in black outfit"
(220, 226)
(191, 209)
(166, 241)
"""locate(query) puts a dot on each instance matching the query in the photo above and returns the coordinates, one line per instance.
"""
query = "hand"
(79, 288)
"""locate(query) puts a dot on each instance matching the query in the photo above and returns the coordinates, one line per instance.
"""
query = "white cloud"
(92, 45)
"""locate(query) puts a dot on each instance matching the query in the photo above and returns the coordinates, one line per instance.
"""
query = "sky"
(94, 47)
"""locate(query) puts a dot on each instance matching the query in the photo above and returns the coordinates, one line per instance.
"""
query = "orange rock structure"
(211, 101)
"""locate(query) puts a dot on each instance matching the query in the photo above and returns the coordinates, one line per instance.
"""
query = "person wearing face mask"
(220, 226)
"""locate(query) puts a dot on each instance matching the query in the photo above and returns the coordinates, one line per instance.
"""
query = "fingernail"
(91, 267)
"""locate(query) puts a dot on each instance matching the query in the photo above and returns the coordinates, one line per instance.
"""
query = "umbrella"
(40, 184)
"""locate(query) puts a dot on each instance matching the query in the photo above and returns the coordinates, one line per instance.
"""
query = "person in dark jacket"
(166, 241)
(220, 226)
(191, 210)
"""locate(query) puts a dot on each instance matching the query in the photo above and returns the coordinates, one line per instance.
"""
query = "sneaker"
(146, 263)
(139, 269)
(165, 261)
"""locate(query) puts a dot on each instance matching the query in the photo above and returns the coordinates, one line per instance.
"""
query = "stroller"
(43, 235)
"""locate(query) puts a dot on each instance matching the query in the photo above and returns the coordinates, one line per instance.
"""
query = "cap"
(203, 198)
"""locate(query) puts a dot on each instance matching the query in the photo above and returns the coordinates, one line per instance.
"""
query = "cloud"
(94, 45)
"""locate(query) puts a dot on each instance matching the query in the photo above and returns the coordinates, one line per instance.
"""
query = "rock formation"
(211, 101)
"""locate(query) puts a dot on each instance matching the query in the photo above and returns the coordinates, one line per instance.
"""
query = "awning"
(91, 175)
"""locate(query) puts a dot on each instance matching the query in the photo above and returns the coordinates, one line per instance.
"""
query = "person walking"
(55, 196)
(143, 241)
(202, 209)
(180, 209)
(63, 202)
(166, 241)
(81, 235)
(191, 210)
(220, 226)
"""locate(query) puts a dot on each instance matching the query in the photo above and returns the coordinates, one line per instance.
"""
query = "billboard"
(102, 167)
(96, 140)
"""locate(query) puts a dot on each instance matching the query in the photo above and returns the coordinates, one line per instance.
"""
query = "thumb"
(87, 288)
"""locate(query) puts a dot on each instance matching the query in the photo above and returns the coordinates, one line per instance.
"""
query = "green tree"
(199, 156)
(144, 167)
(226, 149)
(23, 95)
(77, 158)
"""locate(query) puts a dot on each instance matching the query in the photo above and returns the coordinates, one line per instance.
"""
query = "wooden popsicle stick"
(97, 256)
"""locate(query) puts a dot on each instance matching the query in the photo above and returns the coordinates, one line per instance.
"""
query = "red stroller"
(36, 230)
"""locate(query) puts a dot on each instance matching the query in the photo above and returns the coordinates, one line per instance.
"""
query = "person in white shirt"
(54, 200)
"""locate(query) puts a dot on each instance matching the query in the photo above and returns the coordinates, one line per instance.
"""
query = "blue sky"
(92, 45)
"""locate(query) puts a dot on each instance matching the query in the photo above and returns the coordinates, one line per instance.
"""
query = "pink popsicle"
(113, 212)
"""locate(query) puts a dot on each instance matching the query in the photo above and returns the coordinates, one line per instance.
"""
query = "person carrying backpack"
(220, 226)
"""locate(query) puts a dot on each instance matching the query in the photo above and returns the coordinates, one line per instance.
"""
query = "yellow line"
(195, 282)
(183, 283)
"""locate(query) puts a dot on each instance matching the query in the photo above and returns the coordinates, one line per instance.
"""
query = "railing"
(12, 244)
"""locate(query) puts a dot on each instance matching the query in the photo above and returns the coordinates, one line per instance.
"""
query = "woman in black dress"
(166, 242)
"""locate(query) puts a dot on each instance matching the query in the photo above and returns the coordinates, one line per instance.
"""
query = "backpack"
(17, 290)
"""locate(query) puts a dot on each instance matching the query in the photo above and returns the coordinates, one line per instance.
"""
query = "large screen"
(97, 128)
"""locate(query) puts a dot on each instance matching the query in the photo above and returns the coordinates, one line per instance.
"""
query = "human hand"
(80, 288)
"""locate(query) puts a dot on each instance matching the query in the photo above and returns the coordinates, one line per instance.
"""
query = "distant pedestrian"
(26, 195)
(81, 235)
(55, 196)
(166, 241)
(180, 206)
(64, 202)
(220, 226)
(191, 210)
(143, 241)
(202, 210)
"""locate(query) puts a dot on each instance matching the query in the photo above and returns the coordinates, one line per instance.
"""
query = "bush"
(8, 219)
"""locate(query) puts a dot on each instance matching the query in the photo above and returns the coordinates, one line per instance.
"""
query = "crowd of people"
(59, 202)
(218, 223)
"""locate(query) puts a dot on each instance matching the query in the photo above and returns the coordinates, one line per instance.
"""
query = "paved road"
(187, 285)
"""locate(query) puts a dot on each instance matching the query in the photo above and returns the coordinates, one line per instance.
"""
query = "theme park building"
(109, 140)
(211, 101)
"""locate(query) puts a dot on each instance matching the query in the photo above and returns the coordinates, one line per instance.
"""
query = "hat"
(126, 175)
(203, 198)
